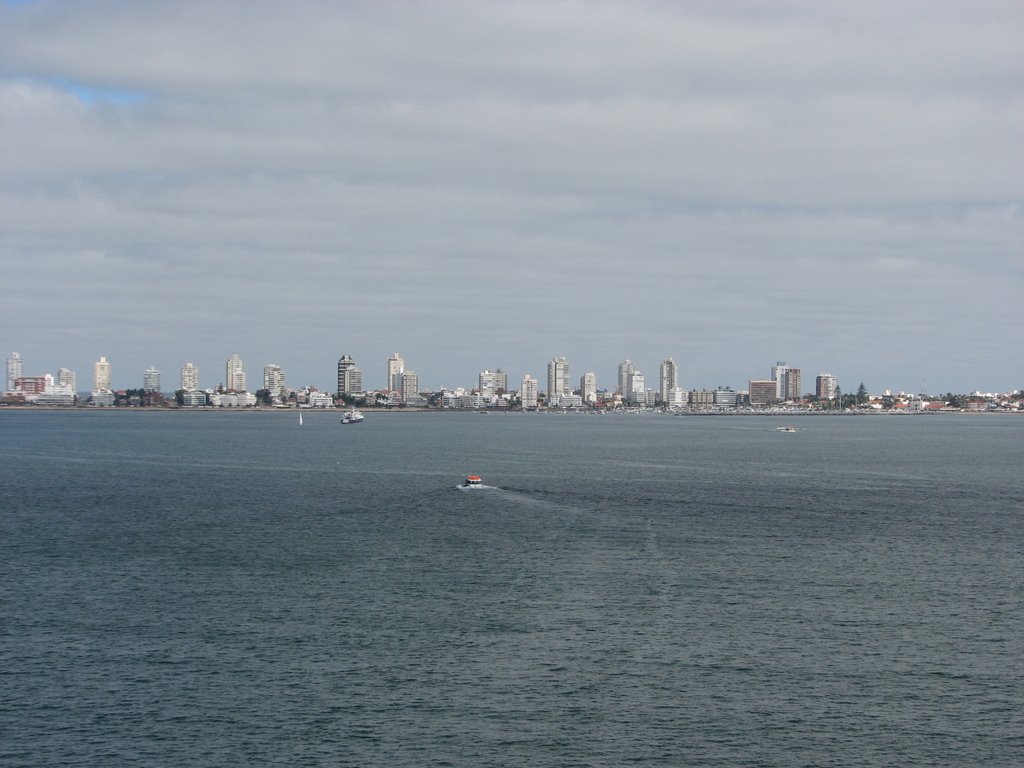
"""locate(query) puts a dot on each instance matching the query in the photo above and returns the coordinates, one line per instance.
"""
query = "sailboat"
(300, 418)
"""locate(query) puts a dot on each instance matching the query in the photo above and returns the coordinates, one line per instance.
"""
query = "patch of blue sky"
(93, 94)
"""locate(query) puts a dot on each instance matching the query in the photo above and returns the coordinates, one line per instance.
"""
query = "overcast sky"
(481, 184)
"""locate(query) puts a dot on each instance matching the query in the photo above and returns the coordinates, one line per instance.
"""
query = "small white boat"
(352, 417)
(786, 429)
(472, 481)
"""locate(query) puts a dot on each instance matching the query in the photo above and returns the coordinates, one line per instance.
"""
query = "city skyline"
(784, 381)
(479, 185)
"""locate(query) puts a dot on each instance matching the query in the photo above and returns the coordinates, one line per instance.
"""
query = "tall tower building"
(588, 387)
(779, 376)
(410, 387)
(635, 388)
(792, 389)
(273, 379)
(15, 370)
(825, 386)
(488, 382)
(396, 366)
(66, 378)
(558, 377)
(151, 379)
(668, 380)
(189, 377)
(350, 378)
(528, 392)
(101, 375)
(626, 369)
(234, 374)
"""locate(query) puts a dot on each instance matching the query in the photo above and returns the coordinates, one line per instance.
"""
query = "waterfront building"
(558, 377)
(410, 388)
(30, 385)
(317, 399)
(15, 370)
(762, 391)
(396, 366)
(635, 387)
(677, 398)
(151, 379)
(702, 399)
(588, 387)
(273, 379)
(825, 386)
(190, 378)
(779, 377)
(234, 374)
(668, 378)
(66, 379)
(725, 397)
(792, 389)
(193, 398)
(528, 392)
(490, 382)
(101, 375)
(102, 398)
(626, 369)
(350, 378)
(565, 400)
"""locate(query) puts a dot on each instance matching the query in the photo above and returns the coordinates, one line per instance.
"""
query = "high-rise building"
(410, 388)
(528, 392)
(234, 374)
(635, 388)
(396, 366)
(779, 377)
(825, 386)
(588, 387)
(626, 368)
(725, 397)
(15, 370)
(668, 379)
(791, 385)
(350, 378)
(558, 377)
(151, 379)
(273, 379)
(189, 377)
(762, 391)
(101, 375)
(491, 381)
(67, 380)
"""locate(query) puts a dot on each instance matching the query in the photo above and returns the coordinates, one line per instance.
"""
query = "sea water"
(217, 589)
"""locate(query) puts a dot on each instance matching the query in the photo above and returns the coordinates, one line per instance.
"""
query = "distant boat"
(472, 481)
(786, 429)
(300, 418)
(352, 417)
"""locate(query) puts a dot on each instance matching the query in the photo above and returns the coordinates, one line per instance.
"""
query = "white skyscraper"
(234, 374)
(15, 370)
(396, 366)
(273, 379)
(668, 380)
(635, 388)
(410, 388)
(66, 378)
(779, 375)
(101, 375)
(151, 379)
(528, 392)
(588, 387)
(189, 377)
(558, 378)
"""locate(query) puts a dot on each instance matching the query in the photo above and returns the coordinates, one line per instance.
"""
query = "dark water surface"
(218, 589)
